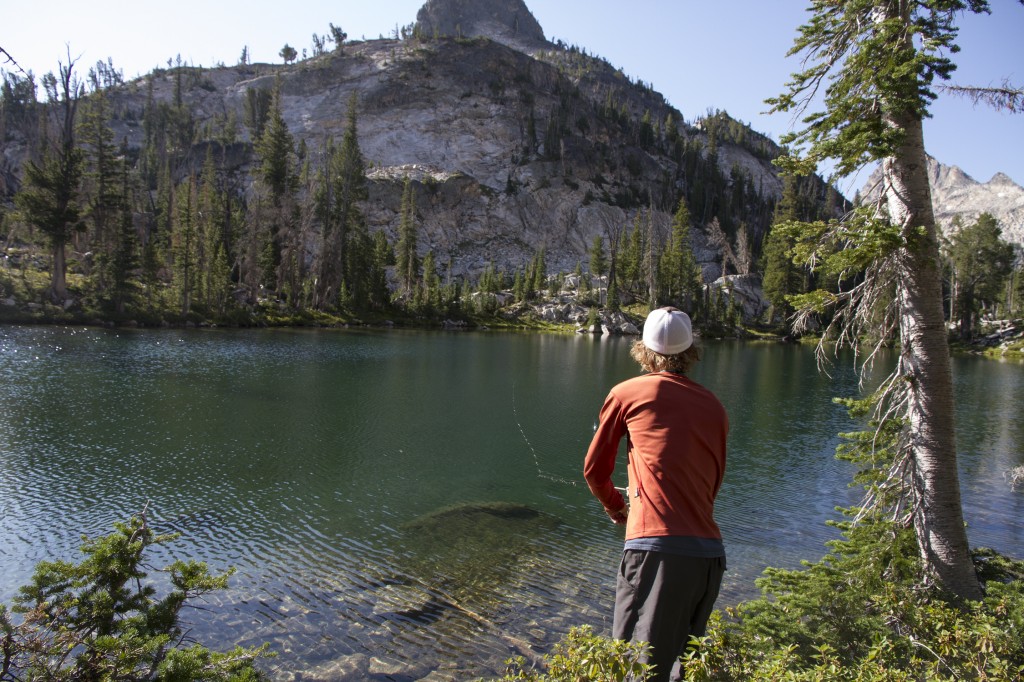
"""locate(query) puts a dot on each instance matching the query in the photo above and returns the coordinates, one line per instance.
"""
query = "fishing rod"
(536, 457)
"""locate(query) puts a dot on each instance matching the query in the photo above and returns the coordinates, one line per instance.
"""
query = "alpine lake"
(407, 505)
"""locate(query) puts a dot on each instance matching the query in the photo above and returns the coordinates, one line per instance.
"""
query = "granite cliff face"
(513, 144)
(954, 193)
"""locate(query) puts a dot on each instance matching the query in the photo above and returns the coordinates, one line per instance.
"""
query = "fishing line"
(536, 457)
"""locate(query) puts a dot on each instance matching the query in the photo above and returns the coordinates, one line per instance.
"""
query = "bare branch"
(9, 59)
(1006, 97)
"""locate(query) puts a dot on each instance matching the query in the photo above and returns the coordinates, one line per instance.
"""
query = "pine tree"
(631, 259)
(274, 216)
(214, 269)
(781, 277)
(540, 274)
(598, 259)
(275, 149)
(151, 263)
(49, 197)
(876, 62)
(102, 191)
(680, 276)
(744, 250)
(343, 226)
(406, 260)
(431, 285)
(185, 245)
(383, 256)
(519, 287)
(980, 261)
(288, 53)
(1015, 286)
(124, 257)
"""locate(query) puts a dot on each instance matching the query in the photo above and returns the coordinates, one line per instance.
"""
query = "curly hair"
(656, 362)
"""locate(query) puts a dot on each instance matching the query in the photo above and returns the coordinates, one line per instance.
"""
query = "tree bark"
(58, 282)
(925, 364)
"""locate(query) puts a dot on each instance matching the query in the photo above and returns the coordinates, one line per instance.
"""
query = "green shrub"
(102, 619)
(866, 611)
(582, 655)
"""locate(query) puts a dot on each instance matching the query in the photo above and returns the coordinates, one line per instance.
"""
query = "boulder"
(745, 291)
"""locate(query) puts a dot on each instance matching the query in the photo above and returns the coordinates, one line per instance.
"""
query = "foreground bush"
(843, 619)
(867, 611)
(101, 619)
(582, 655)
(839, 620)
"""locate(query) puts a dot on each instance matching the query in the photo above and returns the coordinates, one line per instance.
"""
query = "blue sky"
(726, 54)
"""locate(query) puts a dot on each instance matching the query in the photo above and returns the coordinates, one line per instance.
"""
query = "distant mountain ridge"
(513, 144)
(957, 194)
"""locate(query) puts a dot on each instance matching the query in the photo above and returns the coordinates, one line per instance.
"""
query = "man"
(675, 431)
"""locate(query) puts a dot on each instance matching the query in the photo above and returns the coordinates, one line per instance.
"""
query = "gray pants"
(664, 599)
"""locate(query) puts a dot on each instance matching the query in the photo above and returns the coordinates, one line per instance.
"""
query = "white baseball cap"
(668, 331)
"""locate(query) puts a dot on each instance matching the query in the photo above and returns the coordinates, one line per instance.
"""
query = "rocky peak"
(955, 194)
(509, 22)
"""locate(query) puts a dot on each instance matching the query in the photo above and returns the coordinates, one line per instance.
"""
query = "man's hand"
(618, 517)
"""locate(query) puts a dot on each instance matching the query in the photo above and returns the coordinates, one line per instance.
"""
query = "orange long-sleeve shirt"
(676, 431)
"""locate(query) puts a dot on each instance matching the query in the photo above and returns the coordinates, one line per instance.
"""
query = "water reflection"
(404, 503)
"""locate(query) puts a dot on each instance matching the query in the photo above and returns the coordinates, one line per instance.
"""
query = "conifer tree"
(150, 267)
(540, 274)
(383, 256)
(281, 260)
(679, 273)
(214, 269)
(519, 286)
(1015, 285)
(50, 195)
(185, 245)
(275, 149)
(124, 258)
(581, 281)
(613, 302)
(102, 190)
(431, 284)
(343, 226)
(406, 260)
(980, 261)
(876, 62)
(781, 277)
(288, 53)
(631, 258)
(744, 250)
(598, 259)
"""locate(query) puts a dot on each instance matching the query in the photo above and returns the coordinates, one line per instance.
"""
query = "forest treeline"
(177, 229)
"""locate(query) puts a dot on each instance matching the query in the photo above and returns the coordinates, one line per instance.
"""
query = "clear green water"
(399, 503)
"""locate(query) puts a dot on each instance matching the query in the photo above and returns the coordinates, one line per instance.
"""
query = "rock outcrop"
(509, 22)
(744, 292)
(955, 194)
